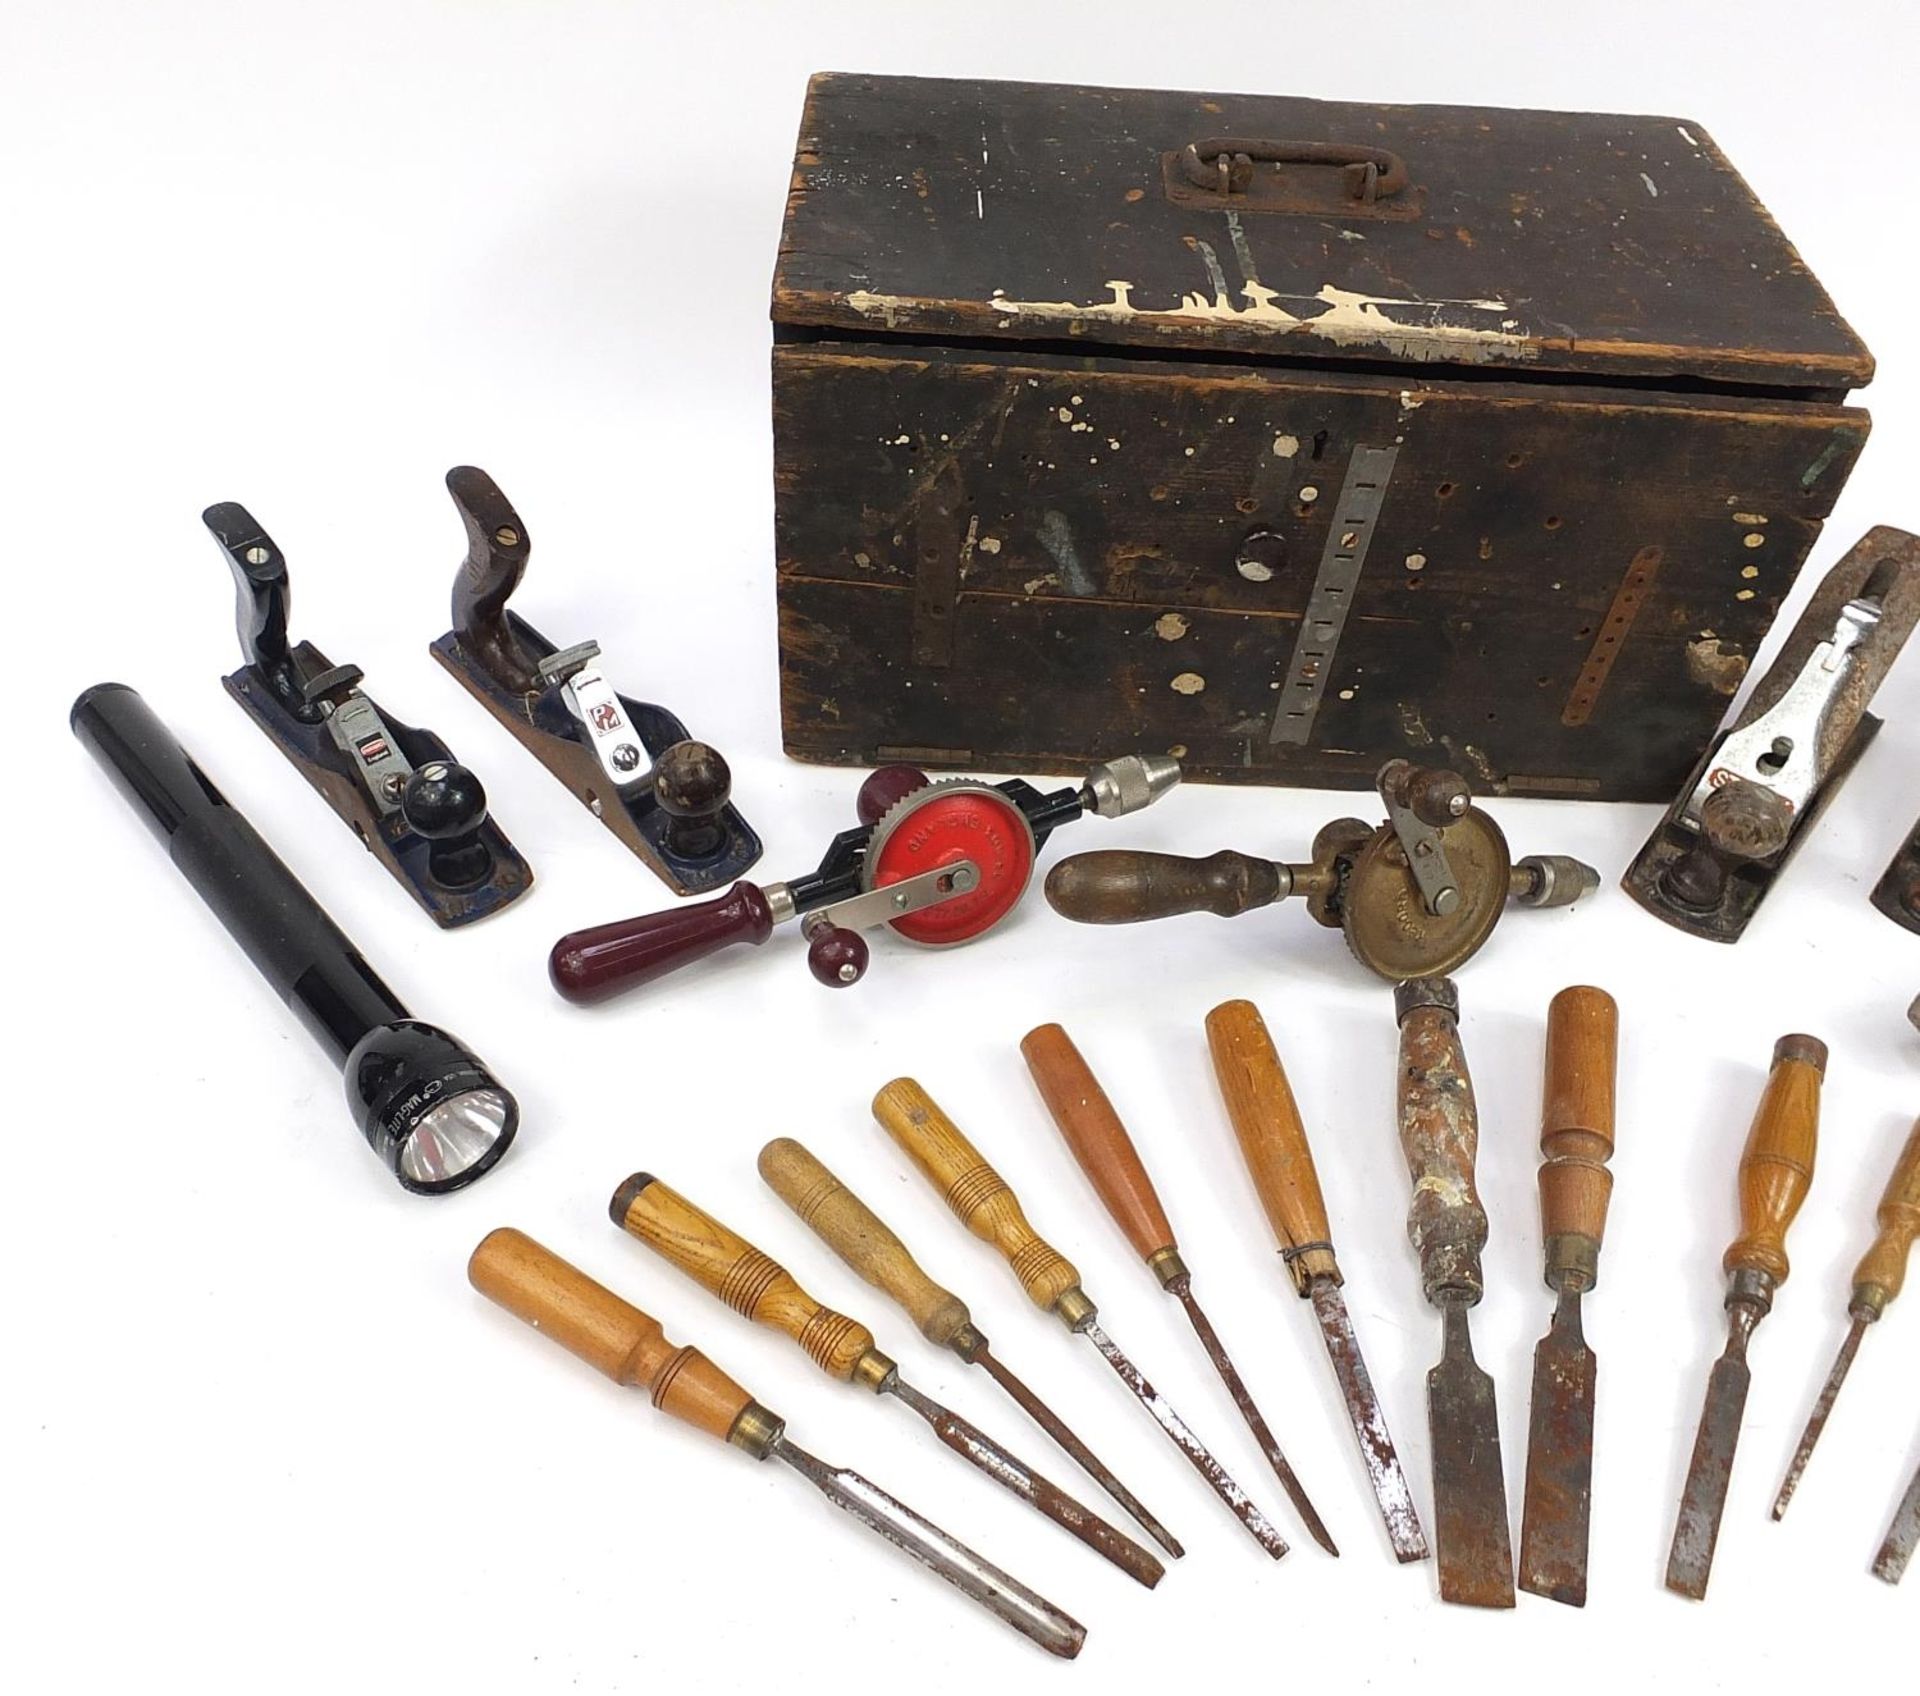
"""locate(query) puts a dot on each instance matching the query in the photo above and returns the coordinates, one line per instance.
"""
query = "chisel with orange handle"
(1273, 1141)
(628, 1346)
(860, 1237)
(1100, 1143)
(979, 1198)
(1876, 1281)
(761, 1289)
(1776, 1170)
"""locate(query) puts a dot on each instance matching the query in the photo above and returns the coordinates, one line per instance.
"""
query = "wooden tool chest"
(1489, 438)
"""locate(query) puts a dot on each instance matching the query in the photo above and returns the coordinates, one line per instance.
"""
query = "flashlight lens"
(453, 1136)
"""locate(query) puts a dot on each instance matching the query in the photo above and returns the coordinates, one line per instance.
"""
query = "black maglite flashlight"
(431, 1110)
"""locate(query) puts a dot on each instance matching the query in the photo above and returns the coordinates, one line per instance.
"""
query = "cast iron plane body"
(1117, 417)
(415, 808)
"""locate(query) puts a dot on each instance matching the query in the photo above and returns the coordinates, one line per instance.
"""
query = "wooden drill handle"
(845, 1223)
(587, 966)
(1576, 1133)
(1440, 1136)
(1273, 1140)
(589, 1320)
(978, 1196)
(1098, 1139)
(1122, 886)
(1883, 1269)
(1776, 1167)
(749, 1282)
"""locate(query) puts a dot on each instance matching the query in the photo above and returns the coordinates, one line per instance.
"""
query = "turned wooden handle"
(589, 965)
(1883, 1269)
(1576, 1133)
(610, 1335)
(1440, 1136)
(751, 1283)
(978, 1196)
(849, 1227)
(1121, 886)
(1776, 1167)
(1098, 1139)
(1273, 1140)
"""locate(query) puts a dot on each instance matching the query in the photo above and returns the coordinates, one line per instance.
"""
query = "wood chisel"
(1876, 1282)
(1440, 1135)
(759, 1288)
(1099, 1141)
(1902, 1535)
(845, 1223)
(1776, 1170)
(979, 1198)
(1576, 1137)
(589, 1320)
(1273, 1141)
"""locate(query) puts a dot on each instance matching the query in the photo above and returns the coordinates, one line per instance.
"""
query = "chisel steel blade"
(1469, 1485)
(1382, 1460)
(1902, 1535)
(1708, 1474)
(1554, 1519)
(1030, 1614)
(1817, 1420)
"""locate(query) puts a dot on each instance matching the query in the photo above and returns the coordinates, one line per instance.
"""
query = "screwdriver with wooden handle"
(979, 1198)
(1273, 1141)
(759, 1288)
(1876, 1282)
(1576, 1137)
(1776, 1170)
(1440, 1136)
(628, 1346)
(845, 1223)
(1099, 1141)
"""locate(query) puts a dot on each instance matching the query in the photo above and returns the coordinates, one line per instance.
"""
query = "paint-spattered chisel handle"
(1576, 1133)
(1100, 1143)
(845, 1223)
(1273, 1139)
(1122, 886)
(1776, 1167)
(1883, 1268)
(979, 1197)
(1440, 1136)
(610, 1335)
(751, 1283)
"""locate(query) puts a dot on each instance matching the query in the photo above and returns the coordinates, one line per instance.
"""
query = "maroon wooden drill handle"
(590, 965)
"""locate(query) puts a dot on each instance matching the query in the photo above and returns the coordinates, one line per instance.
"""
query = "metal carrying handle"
(1224, 164)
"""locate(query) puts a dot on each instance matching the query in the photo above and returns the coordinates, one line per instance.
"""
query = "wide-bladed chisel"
(979, 1198)
(1440, 1136)
(1776, 1169)
(849, 1227)
(1099, 1141)
(1273, 1141)
(1876, 1281)
(761, 1289)
(1902, 1535)
(1576, 1137)
(589, 1320)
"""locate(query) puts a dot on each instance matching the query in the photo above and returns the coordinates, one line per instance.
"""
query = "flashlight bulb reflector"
(428, 1106)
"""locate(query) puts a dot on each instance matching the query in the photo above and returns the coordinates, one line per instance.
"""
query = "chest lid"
(1473, 238)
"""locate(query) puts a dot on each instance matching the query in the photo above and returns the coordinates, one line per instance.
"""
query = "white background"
(259, 1433)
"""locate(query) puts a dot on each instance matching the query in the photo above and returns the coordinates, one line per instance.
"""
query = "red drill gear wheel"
(946, 822)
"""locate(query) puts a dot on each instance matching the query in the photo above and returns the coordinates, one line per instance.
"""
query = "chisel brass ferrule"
(757, 1430)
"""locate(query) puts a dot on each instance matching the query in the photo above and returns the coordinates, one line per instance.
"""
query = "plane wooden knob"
(1776, 1167)
(979, 1198)
(1099, 1141)
(751, 1283)
(612, 1336)
(858, 1235)
(1883, 1268)
(1273, 1139)
(1576, 1133)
